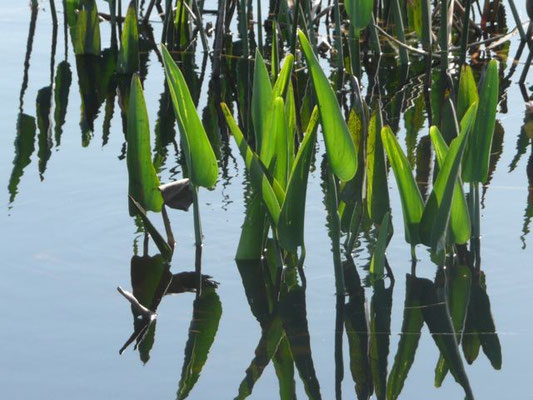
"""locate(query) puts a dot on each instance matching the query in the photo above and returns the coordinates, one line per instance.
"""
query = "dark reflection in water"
(151, 280)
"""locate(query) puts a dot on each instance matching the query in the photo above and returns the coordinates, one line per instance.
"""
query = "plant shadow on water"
(272, 105)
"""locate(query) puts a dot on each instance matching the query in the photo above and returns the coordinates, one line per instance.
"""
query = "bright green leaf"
(339, 144)
(412, 203)
(128, 57)
(201, 160)
(476, 163)
(143, 180)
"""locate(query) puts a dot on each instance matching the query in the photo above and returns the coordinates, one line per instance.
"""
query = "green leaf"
(458, 298)
(360, 12)
(435, 220)
(258, 172)
(339, 144)
(252, 234)
(281, 143)
(201, 160)
(207, 311)
(476, 163)
(71, 9)
(440, 325)
(282, 82)
(413, 321)
(86, 33)
(161, 243)
(377, 192)
(291, 221)
(128, 57)
(261, 99)
(467, 93)
(143, 180)
(377, 264)
(460, 217)
(415, 16)
(412, 203)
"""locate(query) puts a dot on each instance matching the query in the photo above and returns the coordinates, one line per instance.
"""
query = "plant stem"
(198, 241)
(259, 27)
(464, 35)
(355, 51)
(279, 262)
(398, 20)
(338, 40)
(477, 224)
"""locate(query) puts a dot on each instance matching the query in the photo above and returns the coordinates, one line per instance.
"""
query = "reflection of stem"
(145, 312)
(198, 240)
(477, 225)
(413, 267)
(339, 329)
(145, 244)
(53, 12)
(279, 262)
(29, 46)
(476, 222)
(413, 254)
(301, 267)
(65, 27)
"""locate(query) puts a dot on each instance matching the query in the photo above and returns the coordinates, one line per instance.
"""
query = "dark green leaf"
(207, 311)
(409, 337)
(377, 192)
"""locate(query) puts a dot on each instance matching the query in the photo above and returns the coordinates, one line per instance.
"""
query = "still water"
(68, 242)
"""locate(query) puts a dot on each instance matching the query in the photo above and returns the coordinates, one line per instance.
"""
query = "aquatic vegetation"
(291, 114)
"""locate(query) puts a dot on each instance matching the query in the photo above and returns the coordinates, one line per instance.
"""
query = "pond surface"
(68, 241)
